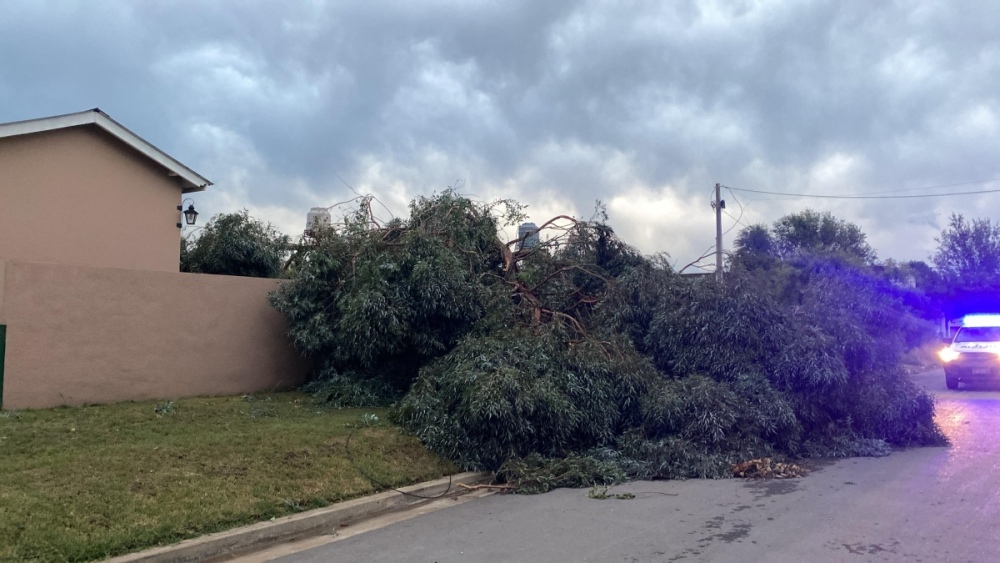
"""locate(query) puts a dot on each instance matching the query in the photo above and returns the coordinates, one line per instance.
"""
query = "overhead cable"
(822, 196)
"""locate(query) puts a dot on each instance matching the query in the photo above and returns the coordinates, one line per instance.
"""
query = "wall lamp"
(190, 215)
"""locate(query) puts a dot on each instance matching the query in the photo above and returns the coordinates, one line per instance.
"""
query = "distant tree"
(821, 234)
(968, 254)
(926, 277)
(235, 244)
(755, 248)
(185, 255)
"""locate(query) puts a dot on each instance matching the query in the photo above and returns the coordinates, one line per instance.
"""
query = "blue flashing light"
(981, 320)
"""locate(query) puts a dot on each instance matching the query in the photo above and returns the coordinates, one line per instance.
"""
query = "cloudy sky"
(642, 105)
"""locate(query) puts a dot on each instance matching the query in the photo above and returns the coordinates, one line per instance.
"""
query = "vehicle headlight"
(948, 355)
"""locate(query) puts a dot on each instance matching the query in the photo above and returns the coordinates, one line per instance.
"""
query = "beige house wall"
(81, 196)
(81, 335)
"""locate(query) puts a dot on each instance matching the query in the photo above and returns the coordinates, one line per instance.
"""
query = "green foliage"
(968, 254)
(821, 233)
(814, 340)
(373, 302)
(601, 493)
(235, 244)
(351, 389)
(582, 363)
(740, 419)
(163, 408)
(756, 247)
(864, 322)
(536, 474)
(522, 391)
(916, 284)
(672, 457)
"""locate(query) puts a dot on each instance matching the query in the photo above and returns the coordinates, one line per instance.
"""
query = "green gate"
(3, 347)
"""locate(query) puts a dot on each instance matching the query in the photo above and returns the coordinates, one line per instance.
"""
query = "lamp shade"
(190, 215)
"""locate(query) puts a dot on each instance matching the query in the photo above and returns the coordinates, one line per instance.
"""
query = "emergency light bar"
(980, 320)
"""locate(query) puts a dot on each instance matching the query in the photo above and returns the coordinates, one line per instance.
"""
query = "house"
(93, 307)
(82, 189)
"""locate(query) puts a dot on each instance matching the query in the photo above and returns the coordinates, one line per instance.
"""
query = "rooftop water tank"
(317, 217)
(529, 233)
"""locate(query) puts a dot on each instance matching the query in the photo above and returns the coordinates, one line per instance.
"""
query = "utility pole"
(719, 205)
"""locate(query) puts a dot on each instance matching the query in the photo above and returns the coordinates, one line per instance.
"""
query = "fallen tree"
(579, 361)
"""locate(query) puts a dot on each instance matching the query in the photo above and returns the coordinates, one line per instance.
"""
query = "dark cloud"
(644, 105)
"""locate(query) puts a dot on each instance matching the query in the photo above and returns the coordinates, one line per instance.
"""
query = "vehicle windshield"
(978, 334)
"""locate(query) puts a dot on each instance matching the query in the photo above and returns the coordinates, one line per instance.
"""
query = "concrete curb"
(314, 522)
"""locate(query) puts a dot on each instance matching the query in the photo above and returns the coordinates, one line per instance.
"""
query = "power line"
(739, 220)
(730, 229)
(933, 187)
(736, 200)
(912, 196)
(742, 209)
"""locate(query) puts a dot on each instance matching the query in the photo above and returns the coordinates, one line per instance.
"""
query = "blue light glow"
(981, 320)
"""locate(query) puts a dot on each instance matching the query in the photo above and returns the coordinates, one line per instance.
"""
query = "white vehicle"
(974, 352)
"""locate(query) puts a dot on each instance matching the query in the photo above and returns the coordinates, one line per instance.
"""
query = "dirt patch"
(867, 549)
(764, 488)
(737, 532)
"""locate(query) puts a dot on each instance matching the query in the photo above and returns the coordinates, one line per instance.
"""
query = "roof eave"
(193, 189)
(190, 180)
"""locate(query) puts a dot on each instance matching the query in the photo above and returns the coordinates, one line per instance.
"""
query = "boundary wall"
(83, 335)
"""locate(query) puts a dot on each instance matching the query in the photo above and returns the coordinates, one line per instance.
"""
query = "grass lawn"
(89, 482)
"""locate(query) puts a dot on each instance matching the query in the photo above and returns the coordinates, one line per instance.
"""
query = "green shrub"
(524, 391)
(351, 389)
(385, 300)
(235, 244)
(538, 474)
(820, 340)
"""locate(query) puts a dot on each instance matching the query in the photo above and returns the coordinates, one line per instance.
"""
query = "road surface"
(923, 504)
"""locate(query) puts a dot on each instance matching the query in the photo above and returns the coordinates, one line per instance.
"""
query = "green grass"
(85, 483)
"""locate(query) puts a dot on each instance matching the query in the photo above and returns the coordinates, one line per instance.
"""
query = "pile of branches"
(569, 359)
(767, 468)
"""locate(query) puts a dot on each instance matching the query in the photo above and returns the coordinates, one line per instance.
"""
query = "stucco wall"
(79, 335)
(80, 196)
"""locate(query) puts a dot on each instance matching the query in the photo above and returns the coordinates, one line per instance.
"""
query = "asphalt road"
(925, 504)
